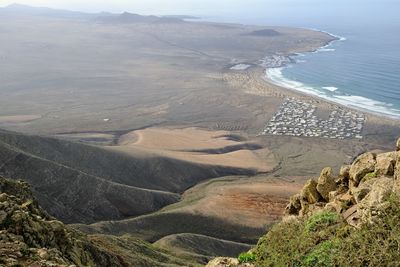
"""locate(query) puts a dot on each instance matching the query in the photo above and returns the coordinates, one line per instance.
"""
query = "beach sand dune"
(199, 146)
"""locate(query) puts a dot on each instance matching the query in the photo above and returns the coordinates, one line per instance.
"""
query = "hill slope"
(106, 184)
(30, 237)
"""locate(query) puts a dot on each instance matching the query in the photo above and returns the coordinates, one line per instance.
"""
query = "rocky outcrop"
(363, 165)
(227, 262)
(385, 163)
(365, 194)
(345, 171)
(310, 193)
(294, 205)
(30, 237)
(326, 183)
(359, 193)
(362, 190)
(375, 202)
(397, 167)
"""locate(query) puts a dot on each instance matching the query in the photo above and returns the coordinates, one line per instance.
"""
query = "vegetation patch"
(324, 240)
(320, 220)
(246, 257)
(369, 176)
(322, 255)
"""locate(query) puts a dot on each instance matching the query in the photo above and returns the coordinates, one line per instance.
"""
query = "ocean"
(360, 70)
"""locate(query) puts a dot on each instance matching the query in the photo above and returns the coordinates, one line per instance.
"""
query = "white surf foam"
(363, 103)
(326, 50)
(276, 75)
(358, 102)
(340, 38)
(330, 88)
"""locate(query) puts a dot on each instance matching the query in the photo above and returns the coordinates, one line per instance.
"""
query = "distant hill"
(127, 17)
(181, 17)
(25, 10)
(104, 17)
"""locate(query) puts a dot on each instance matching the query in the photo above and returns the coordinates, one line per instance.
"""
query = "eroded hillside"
(30, 237)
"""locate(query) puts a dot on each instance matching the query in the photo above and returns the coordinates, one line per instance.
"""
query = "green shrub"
(322, 256)
(320, 220)
(369, 176)
(374, 245)
(323, 240)
(283, 245)
(246, 257)
(6, 222)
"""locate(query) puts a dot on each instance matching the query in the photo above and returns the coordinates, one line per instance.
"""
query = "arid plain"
(161, 96)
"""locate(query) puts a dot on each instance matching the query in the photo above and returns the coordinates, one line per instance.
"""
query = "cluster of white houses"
(275, 61)
(297, 118)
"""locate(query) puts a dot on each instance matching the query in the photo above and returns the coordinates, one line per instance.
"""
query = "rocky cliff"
(349, 219)
(359, 193)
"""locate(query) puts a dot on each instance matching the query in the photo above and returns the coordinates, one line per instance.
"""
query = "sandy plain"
(199, 146)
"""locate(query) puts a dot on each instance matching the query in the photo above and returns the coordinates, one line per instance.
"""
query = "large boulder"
(376, 200)
(294, 206)
(385, 163)
(363, 165)
(352, 216)
(223, 262)
(397, 173)
(309, 192)
(326, 183)
(345, 171)
(397, 167)
(363, 189)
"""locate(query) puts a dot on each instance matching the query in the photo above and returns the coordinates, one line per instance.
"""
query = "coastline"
(273, 75)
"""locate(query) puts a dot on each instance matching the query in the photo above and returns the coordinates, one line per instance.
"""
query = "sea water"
(360, 70)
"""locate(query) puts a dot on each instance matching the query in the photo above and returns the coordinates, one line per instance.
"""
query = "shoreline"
(310, 91)
(287, 92)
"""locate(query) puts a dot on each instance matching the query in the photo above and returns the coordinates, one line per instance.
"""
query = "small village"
(275, 61)
(297, 118)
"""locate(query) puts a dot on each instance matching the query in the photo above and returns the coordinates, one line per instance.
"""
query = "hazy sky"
(193, 6)
(148, 6)
(270, 11)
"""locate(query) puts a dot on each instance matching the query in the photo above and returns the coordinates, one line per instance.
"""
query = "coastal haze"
(166, 127)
